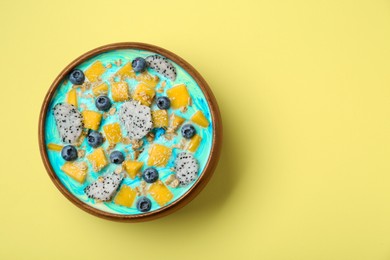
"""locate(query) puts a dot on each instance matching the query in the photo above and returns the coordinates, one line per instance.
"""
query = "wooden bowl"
(200, 183)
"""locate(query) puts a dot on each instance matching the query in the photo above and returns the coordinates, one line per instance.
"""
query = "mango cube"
(55, 147)
(160, 193)
(160, 118)
(132, 167)
(76, 170)
(159, 155)
(176, 121)
(72, 97)
(200, 119)
(144, 94)
(126, 196)
(113, 133)
(94, 72)
(97, 159)
(101, 89)
(149, 80)
(126, 71)
(91, 119)
(179, 96)
(194, 143)
(120, 91)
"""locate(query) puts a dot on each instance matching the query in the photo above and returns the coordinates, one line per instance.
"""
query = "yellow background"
(303, 88)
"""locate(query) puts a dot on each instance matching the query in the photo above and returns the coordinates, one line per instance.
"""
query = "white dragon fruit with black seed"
(104, 187)
(186, 168)
(69, 122)
(136, 118)
(162, 65)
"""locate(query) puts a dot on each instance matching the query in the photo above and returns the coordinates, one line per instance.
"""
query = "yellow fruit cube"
(54, 147)
(72, 97)
(200, 119)
(91, 119)
(176, 121)
(120, 91)
(149, 80)
(97, 159)
(94, 72)
(101, 89)
(144, 94)
(76, 170)
(194, 143)
(126, 71)
(160, 193)
(126, 196)
(160, 118)
(132, 167)
(159, 155)
(179, 96)
(113, 133)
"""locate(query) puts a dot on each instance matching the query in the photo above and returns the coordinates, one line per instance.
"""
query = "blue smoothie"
(85, 102)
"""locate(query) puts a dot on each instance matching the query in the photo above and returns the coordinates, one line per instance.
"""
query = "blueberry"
(95, 139)
(117, 157)
(150, 175)
(163, 102)
(188, 131)
(77, 77)
(139, 64)
(144, 204)
(69, 153)
(103, 103)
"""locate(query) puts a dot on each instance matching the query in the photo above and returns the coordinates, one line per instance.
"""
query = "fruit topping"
(126, 71)
(193, 144)
(98, 159)
(72, 97)
(199, 119)
(136, 118)
(159, 155)
(104, 187)
(92, 119)
(179, 96)
(150, 175)
(95, 71)
(101, 89)
(125, 196)
(69, 153)
(133, 168)
(117, 157)
(69, 122)
(103, 103)
(160, 118)
(120, 91)
(139, 64)
(76, 77)
(144, 94)
(76, 170)
(162, 65)
(144, 204)
(163, 102)
(188, 131)
(95, 139)
(113, 133)
(160, 193)
(186, 168)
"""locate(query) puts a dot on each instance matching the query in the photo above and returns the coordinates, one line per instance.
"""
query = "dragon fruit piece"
(186, 168)
(136, 118)
(69, 122)
(162, 65)
(105, 187)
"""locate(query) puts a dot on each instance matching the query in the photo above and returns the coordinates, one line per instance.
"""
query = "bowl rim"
(192, 192)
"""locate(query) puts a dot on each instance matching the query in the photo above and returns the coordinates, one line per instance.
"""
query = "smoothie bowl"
(130, 132)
